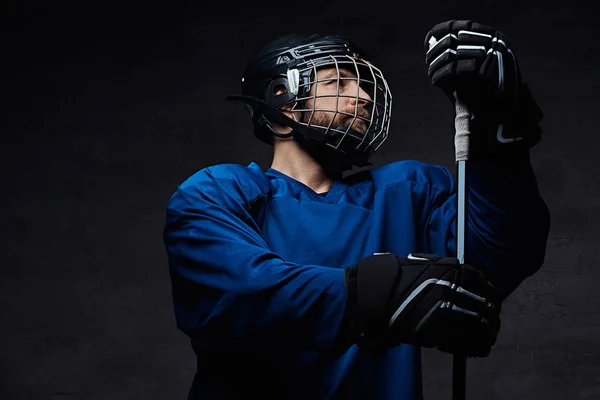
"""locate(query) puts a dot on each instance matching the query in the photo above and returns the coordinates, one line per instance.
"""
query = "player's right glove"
(477, 62)
(421, 299)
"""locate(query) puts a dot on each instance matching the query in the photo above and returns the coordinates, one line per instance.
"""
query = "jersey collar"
(333, 196)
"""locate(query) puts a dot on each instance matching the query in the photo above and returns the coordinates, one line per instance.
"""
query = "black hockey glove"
(421, 299)
(476, 63)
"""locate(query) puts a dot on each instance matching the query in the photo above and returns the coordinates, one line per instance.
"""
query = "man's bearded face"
(338, 93)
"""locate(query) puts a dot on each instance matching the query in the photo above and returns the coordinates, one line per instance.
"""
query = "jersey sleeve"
(508, 221)
(230, 291)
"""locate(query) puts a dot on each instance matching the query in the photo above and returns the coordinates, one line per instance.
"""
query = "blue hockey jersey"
(257, 265)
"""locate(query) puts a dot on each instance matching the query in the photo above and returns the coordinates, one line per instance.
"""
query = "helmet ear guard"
(279, 93)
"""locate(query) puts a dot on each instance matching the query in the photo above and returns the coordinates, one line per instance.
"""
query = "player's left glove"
(476, 63)
(422, 299)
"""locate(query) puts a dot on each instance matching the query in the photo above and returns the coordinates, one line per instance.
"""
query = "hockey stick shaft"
(461, 142)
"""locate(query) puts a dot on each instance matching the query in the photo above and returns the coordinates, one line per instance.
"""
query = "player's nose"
(361, 96)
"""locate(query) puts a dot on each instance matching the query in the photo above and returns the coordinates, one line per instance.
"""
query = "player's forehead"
(331, 71)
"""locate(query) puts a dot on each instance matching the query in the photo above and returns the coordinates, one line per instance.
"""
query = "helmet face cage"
(369, 94)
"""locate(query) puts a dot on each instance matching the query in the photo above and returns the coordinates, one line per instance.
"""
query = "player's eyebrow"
(329, 73)
(332, 73)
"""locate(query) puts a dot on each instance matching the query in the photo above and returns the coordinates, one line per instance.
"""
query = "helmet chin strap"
(278, 134)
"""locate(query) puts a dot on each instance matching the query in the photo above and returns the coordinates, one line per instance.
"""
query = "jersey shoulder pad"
(436, 176)
(227, 183)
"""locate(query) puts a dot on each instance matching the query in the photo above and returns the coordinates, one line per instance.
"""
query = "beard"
(335, 162)
(322, 119)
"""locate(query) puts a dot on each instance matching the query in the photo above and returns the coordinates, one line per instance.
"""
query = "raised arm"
(508, 222)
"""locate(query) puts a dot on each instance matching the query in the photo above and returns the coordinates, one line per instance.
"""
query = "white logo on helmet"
(293, 76)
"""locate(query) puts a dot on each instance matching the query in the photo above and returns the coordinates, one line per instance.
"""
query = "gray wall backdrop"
(111, 104)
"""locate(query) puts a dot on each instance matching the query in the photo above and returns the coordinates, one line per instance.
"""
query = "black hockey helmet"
(284, 71)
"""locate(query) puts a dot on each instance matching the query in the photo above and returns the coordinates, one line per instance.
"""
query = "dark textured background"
(108, 105)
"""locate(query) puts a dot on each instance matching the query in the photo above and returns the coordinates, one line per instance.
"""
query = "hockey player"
(304, 281)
